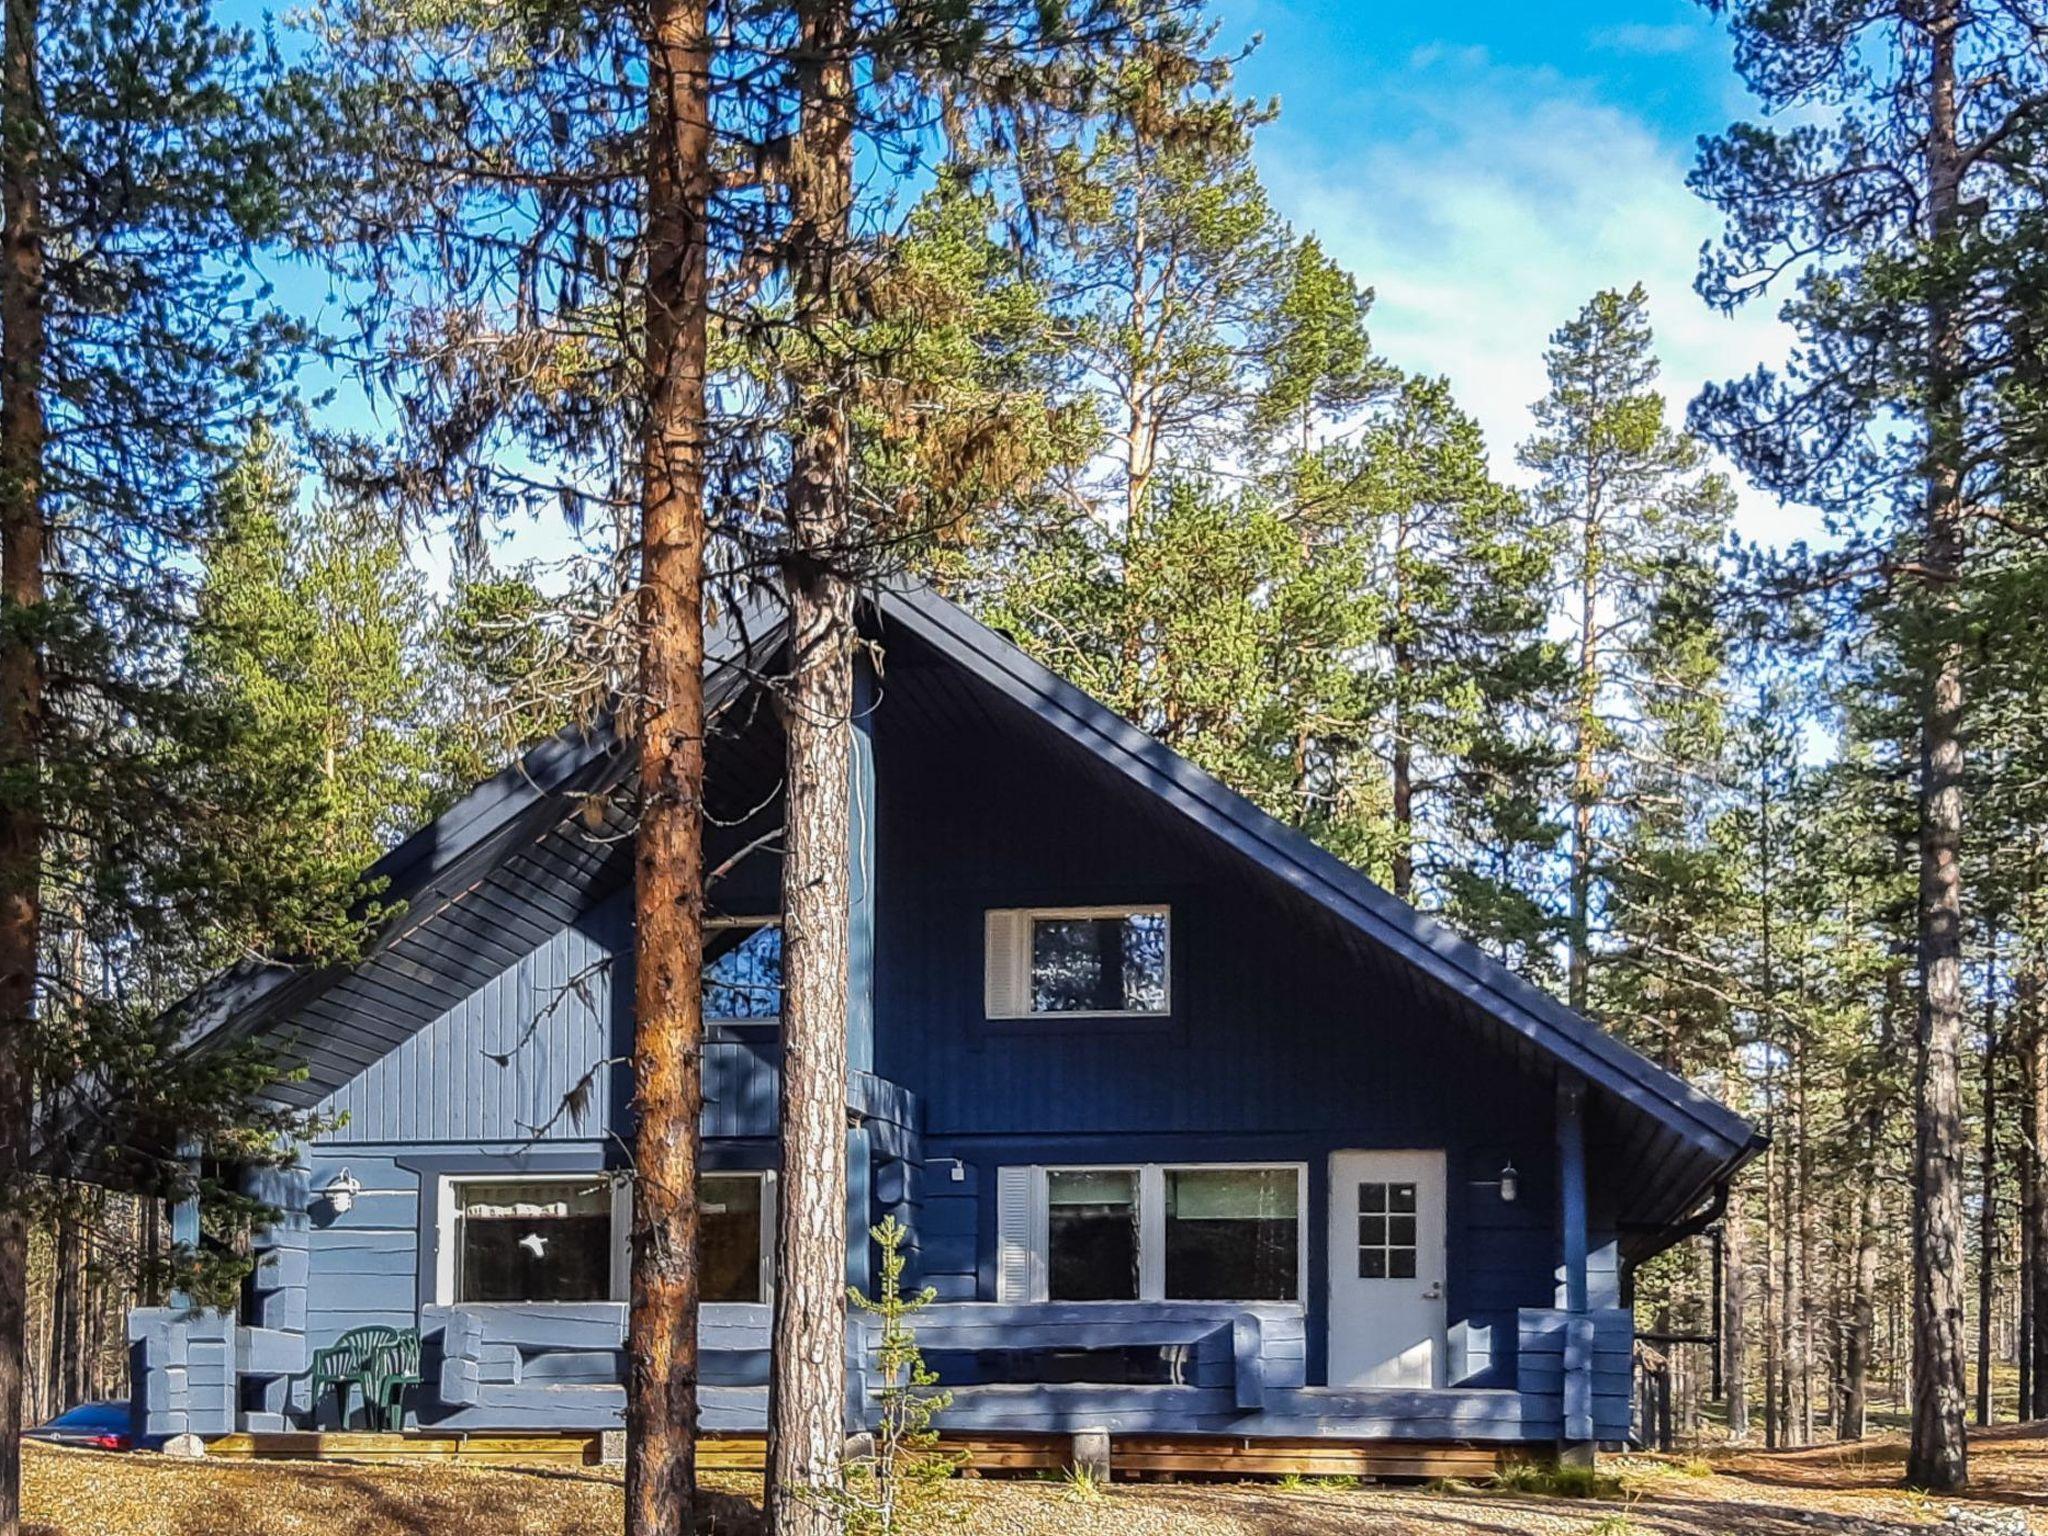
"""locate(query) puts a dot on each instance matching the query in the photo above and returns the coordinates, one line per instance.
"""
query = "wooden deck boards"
(1129, 1455)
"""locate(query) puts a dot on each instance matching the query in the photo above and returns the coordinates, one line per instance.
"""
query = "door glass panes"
(1099, 964)
(1092, 1232)
(1386, 1231)
(743, 972)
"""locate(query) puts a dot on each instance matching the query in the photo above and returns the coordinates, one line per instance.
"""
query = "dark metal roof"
(516, 835)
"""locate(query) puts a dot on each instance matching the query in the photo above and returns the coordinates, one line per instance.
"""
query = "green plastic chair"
(391, 1368)
(347, 1363)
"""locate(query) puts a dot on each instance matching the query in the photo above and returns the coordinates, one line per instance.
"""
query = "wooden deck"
(1130, 1456)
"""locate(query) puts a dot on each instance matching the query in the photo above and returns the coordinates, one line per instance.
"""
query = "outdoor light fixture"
(1510, 1182)
(342, 1191)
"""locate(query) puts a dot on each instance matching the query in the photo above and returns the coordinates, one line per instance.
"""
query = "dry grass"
(1831, 1491)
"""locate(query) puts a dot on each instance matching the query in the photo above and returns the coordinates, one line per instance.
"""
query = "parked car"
(96, 1426)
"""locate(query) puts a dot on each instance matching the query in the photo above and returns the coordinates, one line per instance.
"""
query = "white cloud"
(1504, 199)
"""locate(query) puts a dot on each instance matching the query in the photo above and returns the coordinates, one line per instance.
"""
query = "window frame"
(1151, 1195)
(1018, 961)
(722, 1024)
(765, 1177)
(448, 1227)
(447, 1224)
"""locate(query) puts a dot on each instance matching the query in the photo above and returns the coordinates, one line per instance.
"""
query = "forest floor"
(1849, 1491)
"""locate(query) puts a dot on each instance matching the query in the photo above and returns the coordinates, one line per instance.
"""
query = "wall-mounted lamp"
(1510, 1182)
(341, 1192)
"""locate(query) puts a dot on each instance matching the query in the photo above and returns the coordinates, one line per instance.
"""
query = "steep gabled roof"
(508, 834)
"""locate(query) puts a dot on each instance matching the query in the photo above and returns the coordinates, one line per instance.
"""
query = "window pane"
(731, 1242)
(1092, 1230)
(743, 972)
(540, 1241)
(1232, 1234)
(1372, 1197)
(1099, 964)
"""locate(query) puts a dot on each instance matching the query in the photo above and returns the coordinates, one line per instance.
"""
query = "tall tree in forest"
(1463, 570)
(668, 857)
(1635, 510)
(1908, 155)
(314, 623)
(529, 253)
(132, 353)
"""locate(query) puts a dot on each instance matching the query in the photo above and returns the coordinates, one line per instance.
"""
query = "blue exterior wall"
(1278, 1046)
(1281, 1046)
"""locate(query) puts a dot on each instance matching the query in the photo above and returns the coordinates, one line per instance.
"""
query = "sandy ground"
(1836, 1492)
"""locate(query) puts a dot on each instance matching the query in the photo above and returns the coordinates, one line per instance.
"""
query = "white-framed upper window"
(1079, 962)
(563, 1237)
(1152, 1232)
(742, 970)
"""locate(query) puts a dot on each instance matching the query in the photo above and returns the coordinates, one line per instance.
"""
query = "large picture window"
(563, 1238)
(534, 1240)
(1078, 962)
(1152, 1232)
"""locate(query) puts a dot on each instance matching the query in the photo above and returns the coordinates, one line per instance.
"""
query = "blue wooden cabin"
(1196, 1130)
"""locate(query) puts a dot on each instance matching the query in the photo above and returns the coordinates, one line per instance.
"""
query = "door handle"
(1435, 1291)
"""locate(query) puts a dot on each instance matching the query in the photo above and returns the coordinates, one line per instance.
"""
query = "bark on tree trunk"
(2029, 1176)
(1987, 1216)
(807, 1382)
(661, 1401)
(1585, 778)
(1939, 1458)
(2037, 1129)
(1404, 753)
(22, 539)
(1734, 1318)
(1863, 1296)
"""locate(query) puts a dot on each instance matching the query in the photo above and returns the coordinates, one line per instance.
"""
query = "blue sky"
(1487, 167)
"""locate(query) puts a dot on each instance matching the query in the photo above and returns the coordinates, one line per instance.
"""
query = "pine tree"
(133, 350)
(1463, 568)
(316, 626)
(1889, 211)
(1634, 512)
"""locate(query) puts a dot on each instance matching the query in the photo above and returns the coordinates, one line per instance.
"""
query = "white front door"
(1386, 1269)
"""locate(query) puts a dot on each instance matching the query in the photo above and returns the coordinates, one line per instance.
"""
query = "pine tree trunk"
(1772, 1330)
(66, 1284)
(1863, 1294)
(2029, 1177)
(2037, 1237)
(1404, 754)
(22, 540)
(1734, 1320)
(1585, 781)
(1987, 1217)
(1939, 1456)
(1800, 1313)
(668, 1067)
(807, 1382)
